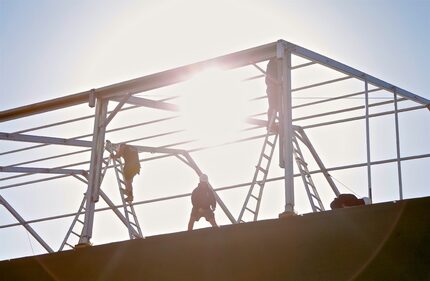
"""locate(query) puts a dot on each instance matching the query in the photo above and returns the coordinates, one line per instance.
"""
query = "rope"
(344, 185)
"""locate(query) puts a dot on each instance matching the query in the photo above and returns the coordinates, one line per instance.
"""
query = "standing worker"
(204, 203)
(131, 166)
(273, 90)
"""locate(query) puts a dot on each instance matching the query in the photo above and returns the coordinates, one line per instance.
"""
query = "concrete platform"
(389, 241)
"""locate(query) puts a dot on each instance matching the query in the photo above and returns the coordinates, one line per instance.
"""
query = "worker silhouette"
(348, 200)
(204, 203)
(273, 91)
(131, 166)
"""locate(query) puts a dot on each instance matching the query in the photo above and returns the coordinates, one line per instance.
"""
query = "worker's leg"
(128, 189)
(213, 222)
(191, 223)
(210, 217)
(128, 186)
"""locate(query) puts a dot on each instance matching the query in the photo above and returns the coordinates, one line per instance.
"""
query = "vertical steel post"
(286, 124)
(369, 168)
(94, 178)
(399, 163)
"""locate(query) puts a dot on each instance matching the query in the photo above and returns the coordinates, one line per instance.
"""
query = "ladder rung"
(250, 210)
(314, 196)
(80, 221)
(301, 161)
(132, 223)
(270, 143)
(134, 217)
(255, 197)
(261, 169)
(318, 208)
(75, 233)
(310, 183)
(242, 221)
(70, 245)
(266, 156)
(259, 183)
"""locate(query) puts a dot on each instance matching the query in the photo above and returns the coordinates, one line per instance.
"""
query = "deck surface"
(388, 241)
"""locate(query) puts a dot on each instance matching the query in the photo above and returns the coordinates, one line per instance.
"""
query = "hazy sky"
(50, 49)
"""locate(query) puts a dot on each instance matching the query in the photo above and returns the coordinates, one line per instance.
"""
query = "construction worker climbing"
(273, 90)
(131, 166)
(204, 203)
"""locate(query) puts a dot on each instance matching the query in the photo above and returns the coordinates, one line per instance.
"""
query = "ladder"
(314, 198)
(129, 211)
(251, 206)
(78, 223)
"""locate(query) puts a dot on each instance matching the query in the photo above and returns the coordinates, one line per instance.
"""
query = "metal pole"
(369, 168)
(399, 163)
(92, 196)
(284, 57)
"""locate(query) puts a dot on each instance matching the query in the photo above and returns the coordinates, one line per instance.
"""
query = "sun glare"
(212, 107)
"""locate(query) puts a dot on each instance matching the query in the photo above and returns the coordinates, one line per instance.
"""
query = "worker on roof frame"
(204, 203)
(131, 166)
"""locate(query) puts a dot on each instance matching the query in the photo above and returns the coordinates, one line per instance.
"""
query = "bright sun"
(212, 107)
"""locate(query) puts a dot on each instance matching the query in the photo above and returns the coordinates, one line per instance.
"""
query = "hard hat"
(203, 178)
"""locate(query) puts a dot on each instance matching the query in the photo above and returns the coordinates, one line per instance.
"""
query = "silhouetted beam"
(146, 83)
(150, 103)
(310, 55)
(25, 224)
(41, 170)
(40, 139)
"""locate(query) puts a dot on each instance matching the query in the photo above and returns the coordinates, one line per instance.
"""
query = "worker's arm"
(213, 200)
(193, 198)
(118, 152)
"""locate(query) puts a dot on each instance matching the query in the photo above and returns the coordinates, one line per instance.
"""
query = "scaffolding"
(294, 119)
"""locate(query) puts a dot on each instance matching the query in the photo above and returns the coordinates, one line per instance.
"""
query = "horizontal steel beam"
(150, 103)
(310, 55)
(146, 83)
(136, 203)
(41, 170)
(45, 140)
(149, 149)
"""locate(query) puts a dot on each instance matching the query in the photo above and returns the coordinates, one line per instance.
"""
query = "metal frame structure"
(125, 94)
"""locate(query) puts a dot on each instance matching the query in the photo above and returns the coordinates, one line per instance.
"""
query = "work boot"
(129, 198)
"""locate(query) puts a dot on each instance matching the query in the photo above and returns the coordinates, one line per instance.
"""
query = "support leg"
(94, 180)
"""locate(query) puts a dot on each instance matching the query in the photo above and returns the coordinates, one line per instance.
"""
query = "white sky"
(50, 49)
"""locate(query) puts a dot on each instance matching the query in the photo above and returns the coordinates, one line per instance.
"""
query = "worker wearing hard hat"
(204, 203)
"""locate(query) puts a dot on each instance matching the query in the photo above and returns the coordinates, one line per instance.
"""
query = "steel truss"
(124, 94)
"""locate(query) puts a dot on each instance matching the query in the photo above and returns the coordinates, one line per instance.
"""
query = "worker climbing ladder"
(251, 206)
(133, 226)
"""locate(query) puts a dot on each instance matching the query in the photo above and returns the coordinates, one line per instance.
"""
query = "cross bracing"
(146, 112)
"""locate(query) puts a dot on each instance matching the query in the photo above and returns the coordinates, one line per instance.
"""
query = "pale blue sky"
(50, 49)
